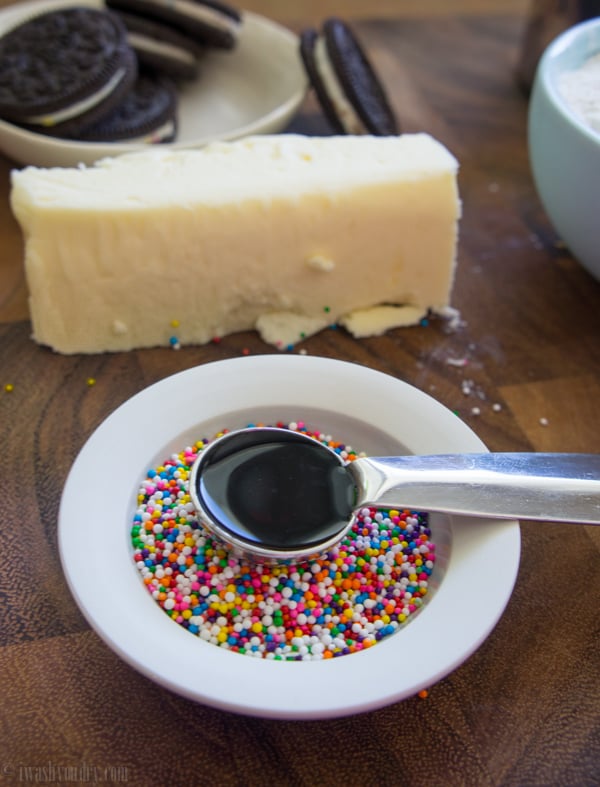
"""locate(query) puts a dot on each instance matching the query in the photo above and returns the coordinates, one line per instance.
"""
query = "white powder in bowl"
(580, 89)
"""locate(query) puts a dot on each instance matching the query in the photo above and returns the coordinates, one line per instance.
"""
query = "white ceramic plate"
(475, 569)
(254, 89)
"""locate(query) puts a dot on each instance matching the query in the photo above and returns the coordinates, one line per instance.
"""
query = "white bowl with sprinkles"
(320, 639)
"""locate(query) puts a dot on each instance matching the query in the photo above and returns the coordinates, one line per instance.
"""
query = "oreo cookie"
(162, 49)
(349, 91)
(209, 22)
(147, 114)
(64, 70)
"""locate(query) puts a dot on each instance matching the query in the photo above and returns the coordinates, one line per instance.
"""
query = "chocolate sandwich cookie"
(349, 91)
(161, 48)
(147, 114)
(209, 22)
(65, 69)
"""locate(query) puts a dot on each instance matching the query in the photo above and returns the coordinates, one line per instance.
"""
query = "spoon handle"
(537, 486)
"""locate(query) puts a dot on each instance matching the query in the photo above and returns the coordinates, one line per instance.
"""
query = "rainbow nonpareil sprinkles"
(366, 588)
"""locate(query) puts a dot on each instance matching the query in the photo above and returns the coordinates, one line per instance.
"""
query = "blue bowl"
(564, 150)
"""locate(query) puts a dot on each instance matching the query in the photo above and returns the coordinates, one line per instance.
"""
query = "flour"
(580, 89)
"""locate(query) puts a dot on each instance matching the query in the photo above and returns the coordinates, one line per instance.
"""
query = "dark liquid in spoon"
(281, 495)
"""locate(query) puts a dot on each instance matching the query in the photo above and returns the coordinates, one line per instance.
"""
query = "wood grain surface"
(525, 708)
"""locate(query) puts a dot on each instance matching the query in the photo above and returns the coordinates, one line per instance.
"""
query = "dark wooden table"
(525, 709)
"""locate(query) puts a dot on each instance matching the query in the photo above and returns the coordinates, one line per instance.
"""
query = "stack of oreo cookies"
(98, 74)
(202, 23)
(110, 73)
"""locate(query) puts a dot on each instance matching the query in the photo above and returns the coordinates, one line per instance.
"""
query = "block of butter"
(283, 234)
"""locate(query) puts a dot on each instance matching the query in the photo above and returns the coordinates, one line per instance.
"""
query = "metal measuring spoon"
(274, 494)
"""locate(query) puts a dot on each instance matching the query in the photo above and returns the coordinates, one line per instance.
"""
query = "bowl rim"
(547, 72)
(487, 551)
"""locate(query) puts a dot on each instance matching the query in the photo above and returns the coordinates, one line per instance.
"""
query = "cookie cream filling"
(166, 131)
(153, 46)
(160, 134)
(202, 13)
(79, 107)
(345, 111)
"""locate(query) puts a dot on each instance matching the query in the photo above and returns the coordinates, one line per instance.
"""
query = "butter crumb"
(286, 328)
(376, 320)
(454, 321)
(320, 263)
(119, 327)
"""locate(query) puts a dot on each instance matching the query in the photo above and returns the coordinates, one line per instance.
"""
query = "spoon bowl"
(278, 495)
